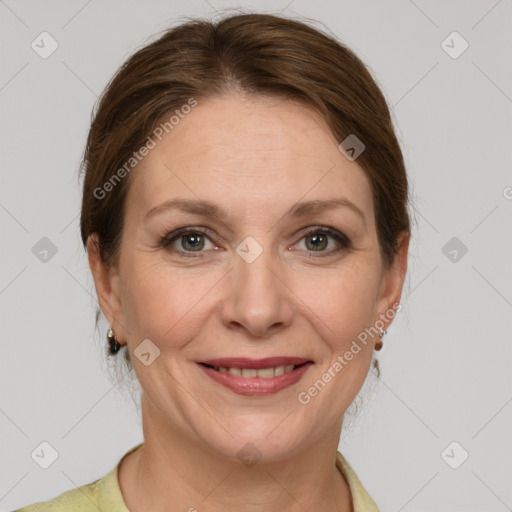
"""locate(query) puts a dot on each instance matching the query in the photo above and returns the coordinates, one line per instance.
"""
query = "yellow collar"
(112, 499)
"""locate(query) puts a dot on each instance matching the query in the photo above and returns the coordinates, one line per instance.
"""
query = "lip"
(257, 364)
(256, 386)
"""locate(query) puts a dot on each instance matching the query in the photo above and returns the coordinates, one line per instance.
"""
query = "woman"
(245, 217)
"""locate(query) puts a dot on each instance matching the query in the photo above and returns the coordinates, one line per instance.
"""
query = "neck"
(171, 468)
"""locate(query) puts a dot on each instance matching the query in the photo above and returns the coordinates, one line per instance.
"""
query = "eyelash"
(342, 240)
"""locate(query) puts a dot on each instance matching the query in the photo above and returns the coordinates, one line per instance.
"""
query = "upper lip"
(257, 364)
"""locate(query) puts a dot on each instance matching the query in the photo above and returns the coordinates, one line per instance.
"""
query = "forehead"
(253, 153)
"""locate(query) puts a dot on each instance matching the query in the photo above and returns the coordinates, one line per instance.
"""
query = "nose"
(258, 301)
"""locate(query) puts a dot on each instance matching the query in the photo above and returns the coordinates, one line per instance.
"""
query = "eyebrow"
(208, 209)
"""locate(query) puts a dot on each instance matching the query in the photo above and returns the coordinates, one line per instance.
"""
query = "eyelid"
(343, 241)
(177, 233)
(340, 237)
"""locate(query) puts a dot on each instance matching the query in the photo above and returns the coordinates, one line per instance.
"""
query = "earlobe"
(106, 283)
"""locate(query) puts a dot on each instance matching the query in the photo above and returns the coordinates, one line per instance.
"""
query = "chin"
(254, 438)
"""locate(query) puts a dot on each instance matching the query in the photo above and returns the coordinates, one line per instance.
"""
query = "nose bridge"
(258, 298)
(255, 265)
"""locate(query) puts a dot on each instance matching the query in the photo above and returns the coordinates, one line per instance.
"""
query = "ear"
(106, 281)
(393, 280)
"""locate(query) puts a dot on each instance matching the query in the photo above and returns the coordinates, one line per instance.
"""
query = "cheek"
(169, 306)
(344, 304)
(343, 300)
(159, 303)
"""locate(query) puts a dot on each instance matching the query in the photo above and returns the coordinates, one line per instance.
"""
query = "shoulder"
(361, 500)
(81, 499)
(102, 494)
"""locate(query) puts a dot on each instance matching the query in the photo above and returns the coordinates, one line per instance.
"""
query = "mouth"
(256, 376)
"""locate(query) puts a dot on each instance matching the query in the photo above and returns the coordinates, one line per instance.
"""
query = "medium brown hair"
(259, 54)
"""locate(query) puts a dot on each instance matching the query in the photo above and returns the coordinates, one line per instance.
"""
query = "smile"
(256, 377)
(265, 373)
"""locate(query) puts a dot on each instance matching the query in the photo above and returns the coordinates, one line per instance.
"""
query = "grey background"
(446, 360)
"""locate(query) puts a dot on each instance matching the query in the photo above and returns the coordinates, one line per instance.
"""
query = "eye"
(317, 240)
(187, 240)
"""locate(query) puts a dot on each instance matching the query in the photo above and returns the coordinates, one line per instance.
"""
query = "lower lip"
(256, 385)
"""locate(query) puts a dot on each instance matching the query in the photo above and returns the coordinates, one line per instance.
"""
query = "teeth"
(264, 373)
(279, 370)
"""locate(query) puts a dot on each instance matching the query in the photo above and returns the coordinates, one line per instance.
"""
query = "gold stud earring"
(380, 343)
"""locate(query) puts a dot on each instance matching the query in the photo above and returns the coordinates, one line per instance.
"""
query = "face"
(267, 276)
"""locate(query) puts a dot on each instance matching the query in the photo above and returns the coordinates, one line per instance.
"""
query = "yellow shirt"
(105, 495)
